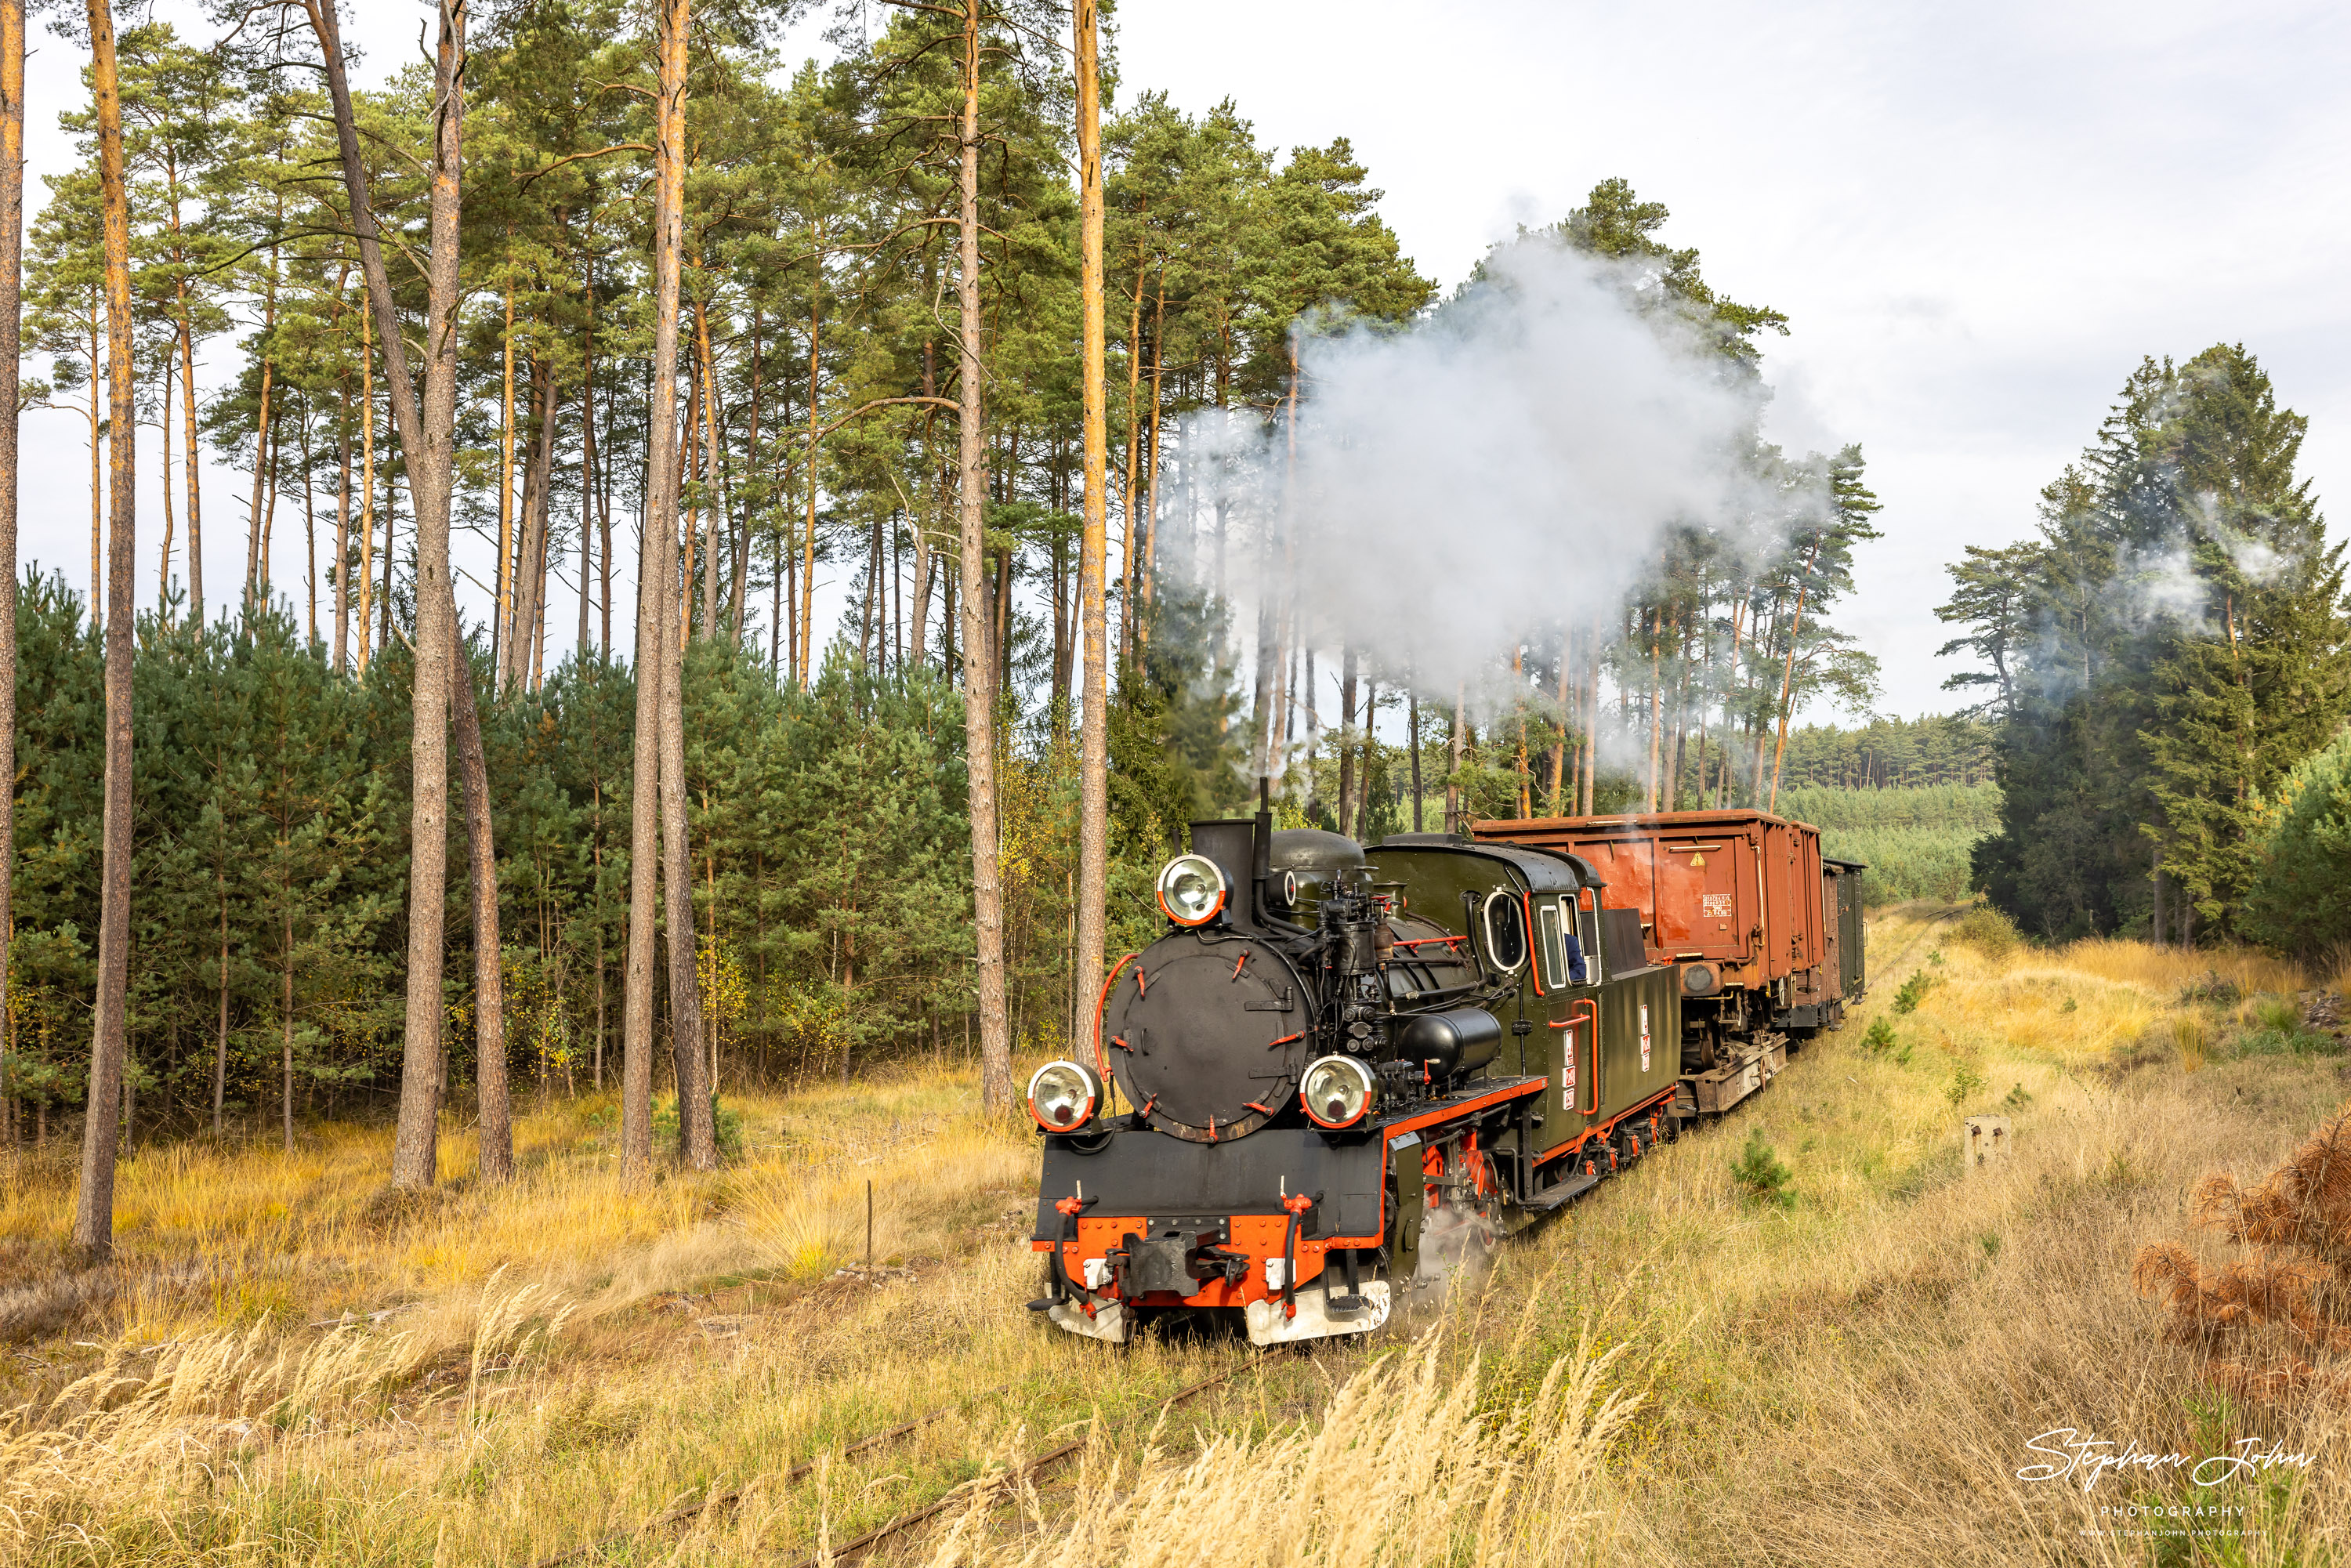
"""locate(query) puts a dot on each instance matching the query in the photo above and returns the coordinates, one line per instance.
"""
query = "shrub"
(1966, 1083)
(2211, 985)
(1879, 1041)
(2017, 1098)
(2299, 901)
(1759, 1176)
(1988, 931)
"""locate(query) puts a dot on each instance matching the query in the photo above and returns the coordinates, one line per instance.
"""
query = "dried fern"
(2297, 1221)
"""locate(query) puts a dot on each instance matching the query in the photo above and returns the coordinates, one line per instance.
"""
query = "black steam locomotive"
(1334, 1063)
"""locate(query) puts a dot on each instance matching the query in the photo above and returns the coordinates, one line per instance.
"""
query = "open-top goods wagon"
(1765, 935)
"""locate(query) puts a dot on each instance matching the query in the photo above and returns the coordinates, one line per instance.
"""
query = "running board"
(1561, 1194)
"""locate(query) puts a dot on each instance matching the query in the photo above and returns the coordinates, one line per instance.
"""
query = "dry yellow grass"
(1661, 1372)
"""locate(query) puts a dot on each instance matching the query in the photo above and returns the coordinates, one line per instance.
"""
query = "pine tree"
(2188, 646)
(2266, 680)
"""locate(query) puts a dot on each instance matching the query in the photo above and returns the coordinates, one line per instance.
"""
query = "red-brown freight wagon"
(1765, 933)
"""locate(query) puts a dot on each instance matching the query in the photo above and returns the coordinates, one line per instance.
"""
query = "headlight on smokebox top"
(1337, 1091)
(1192, 890)
(1064, 1095)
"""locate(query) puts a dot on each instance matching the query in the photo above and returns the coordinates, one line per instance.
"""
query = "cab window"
(1552, 935)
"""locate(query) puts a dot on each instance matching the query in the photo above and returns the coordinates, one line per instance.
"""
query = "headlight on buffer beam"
(1337, 1091)
(1064, 1095)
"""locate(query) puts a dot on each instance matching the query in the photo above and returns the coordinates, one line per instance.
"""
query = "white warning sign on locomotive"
(1714, 905)
(1645, 1037)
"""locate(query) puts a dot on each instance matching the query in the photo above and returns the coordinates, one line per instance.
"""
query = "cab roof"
(1543, 869)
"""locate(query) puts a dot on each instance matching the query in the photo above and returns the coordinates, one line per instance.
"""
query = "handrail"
(1592, 1015)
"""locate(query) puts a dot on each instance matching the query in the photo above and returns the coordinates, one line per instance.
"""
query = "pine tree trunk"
(978, 656)
(580, 644)
(427, 434)
(94, 1204)
(1587, 755)
(220, 1047)
(502, 628)
(255, 567)
(191, 464)
(742, 583)
(342, 533)
(697, 1144)
(1788, 677)
(12, 300)
(367, 487)
(1133, 478)
(1453, 778)
(919, 633)
(497, 1156)
(1346, 732)
(1566, 721)
(1137, 608)
(657, 590)
(710, 469)
(527, 576)
(309, 531)
(589, 489)
(163, 445)
(1094, 555)
(97, 467)
(286, 1017)
(1412, 725)
(807, 629)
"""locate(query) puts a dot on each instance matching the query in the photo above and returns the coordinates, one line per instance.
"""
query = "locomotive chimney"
(1237, 848)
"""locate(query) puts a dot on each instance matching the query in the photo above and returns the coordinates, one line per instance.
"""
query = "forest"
(891, 390)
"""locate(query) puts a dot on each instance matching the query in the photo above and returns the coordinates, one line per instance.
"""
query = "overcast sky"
(1977, 218)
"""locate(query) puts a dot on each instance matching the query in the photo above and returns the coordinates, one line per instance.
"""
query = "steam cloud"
(1511, 462)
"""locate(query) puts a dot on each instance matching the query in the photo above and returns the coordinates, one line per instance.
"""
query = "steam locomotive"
(1336, 1064)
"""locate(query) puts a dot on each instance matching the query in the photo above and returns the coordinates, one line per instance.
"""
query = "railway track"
(684, 1514)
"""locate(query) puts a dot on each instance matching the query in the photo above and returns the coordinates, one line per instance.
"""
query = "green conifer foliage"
(2299, 901)
(2189, 645)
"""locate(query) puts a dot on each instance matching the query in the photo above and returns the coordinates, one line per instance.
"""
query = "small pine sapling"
(1912, 991)
(1759, 1176)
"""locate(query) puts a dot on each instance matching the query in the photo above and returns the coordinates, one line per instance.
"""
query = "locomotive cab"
(1335, 1064)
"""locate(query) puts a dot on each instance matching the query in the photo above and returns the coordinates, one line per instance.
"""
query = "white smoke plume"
(1511, 464)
